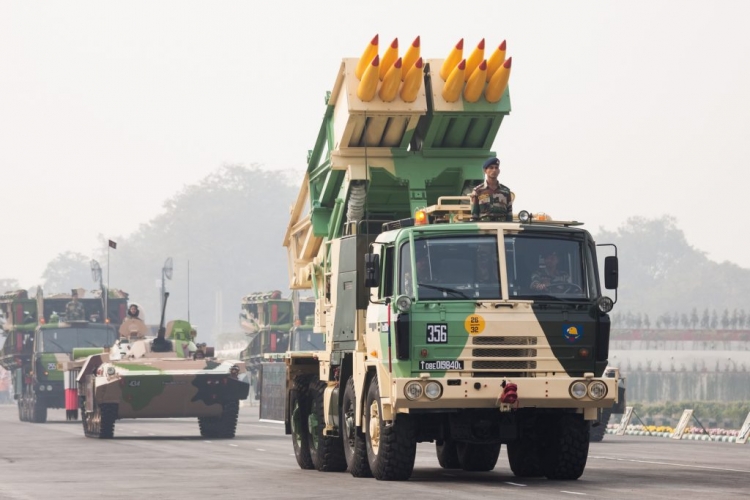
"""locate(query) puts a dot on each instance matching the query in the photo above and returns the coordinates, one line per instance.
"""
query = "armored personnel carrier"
(159, 377)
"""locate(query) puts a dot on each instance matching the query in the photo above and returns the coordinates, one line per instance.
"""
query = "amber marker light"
(420, 218)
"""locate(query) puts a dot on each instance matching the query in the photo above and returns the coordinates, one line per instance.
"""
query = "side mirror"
(611, 273)
(372, 270)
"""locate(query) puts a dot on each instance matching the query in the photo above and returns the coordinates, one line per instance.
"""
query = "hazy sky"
(619, 108)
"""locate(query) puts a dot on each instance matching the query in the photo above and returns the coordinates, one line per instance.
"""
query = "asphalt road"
(165, 459)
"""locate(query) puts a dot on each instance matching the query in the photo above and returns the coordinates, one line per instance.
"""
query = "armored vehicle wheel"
(355, 448)
(568, 450)
(224, 426)
(391, 449)
(598, 431)
(477, 457)
(524, 457)
(447, 454)
(101, 422)
(38, 410)
(299, 410)
(327, 452)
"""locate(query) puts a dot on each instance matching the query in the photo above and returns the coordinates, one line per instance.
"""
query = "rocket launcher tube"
(412, 82)
(367, 56)
(496, 60)
(456, 55)
(368, 85)
(475, 84)
(476, 57)
(411, 56)
(455, 83)
(498, 82)
(389, 58)
(391, 82)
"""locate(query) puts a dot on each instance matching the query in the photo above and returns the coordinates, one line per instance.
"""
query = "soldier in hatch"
(491, 200)
(74, 309)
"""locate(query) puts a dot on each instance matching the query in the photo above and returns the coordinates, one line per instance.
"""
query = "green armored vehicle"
(436, 326)
(41, 339)
(159, 377)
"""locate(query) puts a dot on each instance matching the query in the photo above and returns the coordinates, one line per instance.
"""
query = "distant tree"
(666, 320)
(694, 318)
(676, 320)
(646, 322)
(734, 319)
(725, 319)
(742, 319)
(9, 285)
(659, 323)
(638, 323)
(66, 271)
(714, 320)
(684, 321)
(705, 320)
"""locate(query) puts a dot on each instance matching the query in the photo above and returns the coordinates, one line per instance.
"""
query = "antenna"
(188, 291)
(166, 273)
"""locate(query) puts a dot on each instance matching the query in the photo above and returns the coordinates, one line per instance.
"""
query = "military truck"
(464, 352)
(599, 428)
(40, 339)
(268, 320)
(166, 376)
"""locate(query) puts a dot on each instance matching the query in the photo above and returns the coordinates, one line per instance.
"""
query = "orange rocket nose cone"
(390, 56)
(455, 83)
(496, 60)
(455, 56)
(391, 82)
(367, 56)
(411, 56)
(475, 83)
(476, 57)
(412, 82)
(368, 85)
(498, 82)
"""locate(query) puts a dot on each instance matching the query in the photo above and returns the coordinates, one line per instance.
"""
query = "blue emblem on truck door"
(572, 333)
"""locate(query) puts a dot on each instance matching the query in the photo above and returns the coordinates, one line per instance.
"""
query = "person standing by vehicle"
(492, 200)
(74, 310)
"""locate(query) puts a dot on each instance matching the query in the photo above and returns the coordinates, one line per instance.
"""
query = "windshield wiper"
(446, 290)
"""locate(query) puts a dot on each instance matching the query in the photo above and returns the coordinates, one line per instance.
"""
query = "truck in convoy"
(40, 339)
(271, 323)
(433, 330)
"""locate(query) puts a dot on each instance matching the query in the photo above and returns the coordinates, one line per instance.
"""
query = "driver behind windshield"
(548, 275)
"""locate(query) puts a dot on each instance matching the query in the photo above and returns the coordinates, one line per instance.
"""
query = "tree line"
(707, 320)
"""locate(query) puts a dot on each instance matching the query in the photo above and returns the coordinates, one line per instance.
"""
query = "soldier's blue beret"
(490, 161)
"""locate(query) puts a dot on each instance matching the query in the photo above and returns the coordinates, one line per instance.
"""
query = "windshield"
(451, 268)
(548, 267)
(64, 340)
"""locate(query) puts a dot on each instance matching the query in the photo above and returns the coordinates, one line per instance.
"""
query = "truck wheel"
(524, 457)
(391, 449)
(447, 454)
(477, 457)
(101, 422)
(327, 452)
(299, 409)
(355, 448)
(224, 426)
(21, 409)
(38, 410)
(598, 431)
(568, 448)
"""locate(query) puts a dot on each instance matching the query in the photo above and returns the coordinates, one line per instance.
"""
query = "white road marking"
(572, 492)
(209, 442)
(151, 434)
(514, 484)
(235, 445)
(673, 464)
(259, 449)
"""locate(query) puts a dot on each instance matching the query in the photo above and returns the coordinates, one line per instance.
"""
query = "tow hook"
(509, 397)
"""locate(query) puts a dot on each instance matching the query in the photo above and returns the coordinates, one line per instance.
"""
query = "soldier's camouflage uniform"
(74, 311)
(491, 204)
(542, 277)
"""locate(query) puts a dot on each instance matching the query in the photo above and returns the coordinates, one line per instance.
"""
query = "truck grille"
(522, 365)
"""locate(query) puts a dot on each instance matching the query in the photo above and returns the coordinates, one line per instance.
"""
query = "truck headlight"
(578, 390)
(413, 390)
(597, 390)
(433, 390)
(605, 304)
(403, 303)
(111, 371)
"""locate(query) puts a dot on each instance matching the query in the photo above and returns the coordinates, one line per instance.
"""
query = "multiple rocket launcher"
(461, 75)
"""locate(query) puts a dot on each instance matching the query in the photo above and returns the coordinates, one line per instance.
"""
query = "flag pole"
(106, 292)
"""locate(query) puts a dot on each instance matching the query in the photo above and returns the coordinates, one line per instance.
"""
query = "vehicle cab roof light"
(420, 218)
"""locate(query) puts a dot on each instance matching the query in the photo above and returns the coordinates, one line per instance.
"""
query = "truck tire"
(355, 448)
(391, 449)
(299, 410)
(568, 450)
(38, 410)
(447, 454)
(101, 423)
(21, 410)
(326, 452)
(524, 457)
(598, 431)
(476, 457)
(224, 426)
